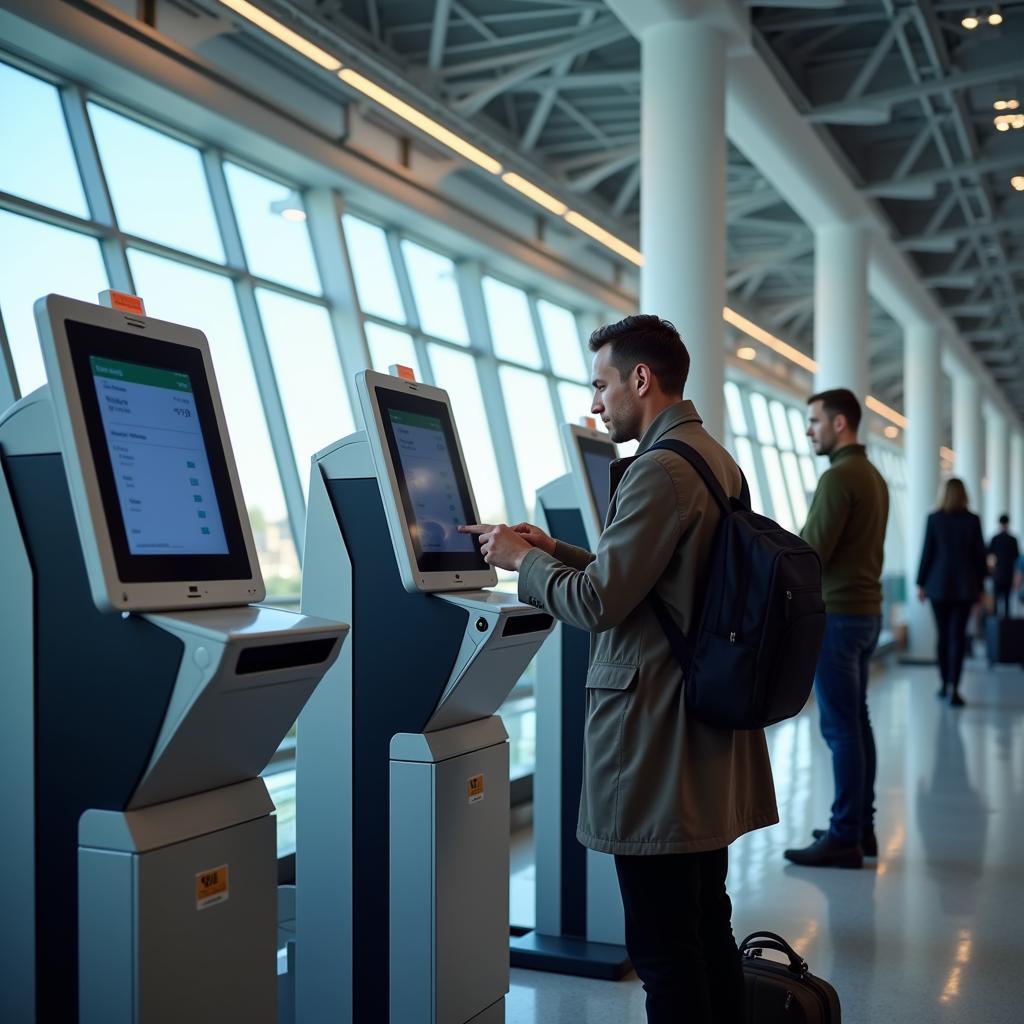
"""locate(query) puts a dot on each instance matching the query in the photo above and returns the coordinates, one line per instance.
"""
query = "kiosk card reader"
(143, 693)
(579, 927)
(402, 794)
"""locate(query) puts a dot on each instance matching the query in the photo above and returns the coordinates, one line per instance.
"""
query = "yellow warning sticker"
(212, 887)
(475, 788)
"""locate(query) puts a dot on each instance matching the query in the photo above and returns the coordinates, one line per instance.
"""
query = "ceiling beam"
(879, 104)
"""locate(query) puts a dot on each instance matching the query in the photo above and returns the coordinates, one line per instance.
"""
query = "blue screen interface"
(158, 454)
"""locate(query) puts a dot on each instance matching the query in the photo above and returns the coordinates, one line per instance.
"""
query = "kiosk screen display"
(160, 462)
(597, 457)
(432, 481)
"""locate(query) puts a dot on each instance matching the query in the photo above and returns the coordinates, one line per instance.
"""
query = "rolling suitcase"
(780, 993)
(1004, 641)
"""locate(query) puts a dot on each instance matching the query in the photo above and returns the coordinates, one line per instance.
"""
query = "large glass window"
(777, 488)
(576, 403)
(456, 373)
(174, 291)
(36, 158)
(512, 333)
(436, 292)
(370, 256)
(535, 440)
(734, 410)
(157, 185)
(562, 337)
(272, 222)
(36, 259)
(309, 377)
(389, 346)
(745, 458)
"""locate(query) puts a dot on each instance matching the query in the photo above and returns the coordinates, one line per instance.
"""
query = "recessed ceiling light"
(995, 18)
(891, 432)
(747, 352)
(1017, 181)
(969, 21)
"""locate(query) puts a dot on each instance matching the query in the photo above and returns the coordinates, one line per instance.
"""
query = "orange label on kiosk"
(475, 788)
(212, 887)
(123, 302)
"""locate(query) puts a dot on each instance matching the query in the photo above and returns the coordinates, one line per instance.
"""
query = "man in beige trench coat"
(664, 793)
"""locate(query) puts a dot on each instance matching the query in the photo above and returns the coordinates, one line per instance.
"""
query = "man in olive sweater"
(846, 526)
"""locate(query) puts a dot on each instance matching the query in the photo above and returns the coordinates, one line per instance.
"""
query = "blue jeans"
(841, 687)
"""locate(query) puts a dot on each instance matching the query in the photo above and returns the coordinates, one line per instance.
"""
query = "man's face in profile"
(820, 429)
(615, 398)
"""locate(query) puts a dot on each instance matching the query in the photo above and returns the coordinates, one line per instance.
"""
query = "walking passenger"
(952, 576)
(1004, 552)
(663, 792)
(846, 526)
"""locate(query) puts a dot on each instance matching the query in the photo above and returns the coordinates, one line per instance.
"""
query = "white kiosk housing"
(579, 927)
(402, 811)
(143, 692)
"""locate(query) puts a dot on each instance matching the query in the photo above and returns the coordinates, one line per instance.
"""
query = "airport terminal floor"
(929, 932)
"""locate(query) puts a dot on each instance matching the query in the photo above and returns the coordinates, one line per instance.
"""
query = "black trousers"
(1002, 597)
(951, 619)
(679, 936)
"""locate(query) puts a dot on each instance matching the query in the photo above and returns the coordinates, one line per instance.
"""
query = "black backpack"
(750, 660)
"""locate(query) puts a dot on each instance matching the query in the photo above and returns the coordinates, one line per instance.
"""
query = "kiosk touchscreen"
(402, 794)
(146, 693)
(579, 927)
(590, 453)
(153, 480)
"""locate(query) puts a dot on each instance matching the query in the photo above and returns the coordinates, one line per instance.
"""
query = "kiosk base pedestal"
(566, 955)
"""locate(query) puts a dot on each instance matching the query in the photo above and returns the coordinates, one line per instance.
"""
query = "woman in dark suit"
(952, 576)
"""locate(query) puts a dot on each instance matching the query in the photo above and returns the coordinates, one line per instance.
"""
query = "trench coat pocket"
(605, 676)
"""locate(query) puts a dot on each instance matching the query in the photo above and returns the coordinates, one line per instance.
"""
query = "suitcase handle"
(756, 941)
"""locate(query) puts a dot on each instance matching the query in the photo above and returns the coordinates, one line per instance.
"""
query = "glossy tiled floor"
(935, 931)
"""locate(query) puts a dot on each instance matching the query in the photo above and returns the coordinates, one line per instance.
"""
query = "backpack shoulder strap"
(703, 470)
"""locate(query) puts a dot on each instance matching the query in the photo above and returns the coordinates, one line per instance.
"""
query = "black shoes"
(942, 692)
(824, 853)
(956, 701)
(868, 841)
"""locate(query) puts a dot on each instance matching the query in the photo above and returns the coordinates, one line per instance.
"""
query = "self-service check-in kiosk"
(579, 926)
(142, 691)
(402, 812)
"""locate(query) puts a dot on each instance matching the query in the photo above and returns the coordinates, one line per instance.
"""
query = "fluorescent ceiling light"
(606, 238)
(419, 120)
(886, 411)
(283, 33)
(749, 328)
(531, 191)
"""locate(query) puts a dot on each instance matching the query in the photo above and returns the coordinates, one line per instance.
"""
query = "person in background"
(952, 576)
(846, 526)
(1003, 555)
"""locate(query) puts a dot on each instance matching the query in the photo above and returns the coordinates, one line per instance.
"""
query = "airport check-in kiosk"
(142, 691)
(579, 927)
(402, 810)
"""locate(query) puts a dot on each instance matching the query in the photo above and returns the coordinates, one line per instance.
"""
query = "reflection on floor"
(935, 931)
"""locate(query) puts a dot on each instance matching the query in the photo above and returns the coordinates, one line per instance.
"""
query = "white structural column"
(968, 439)
(997, 469)
(921, 385)
(682, 198)
(841, 307)
(1017, 483)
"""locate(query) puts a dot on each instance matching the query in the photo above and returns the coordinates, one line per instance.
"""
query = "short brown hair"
(954, 496)
(647, 339)
(839, 402)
